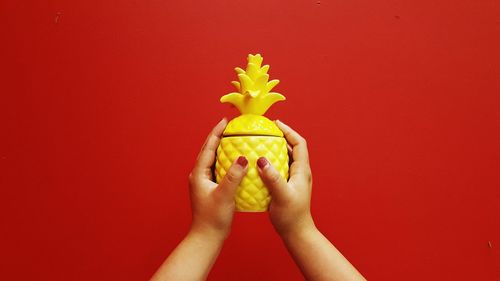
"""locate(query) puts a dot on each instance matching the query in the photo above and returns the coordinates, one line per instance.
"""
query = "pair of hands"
(213, 208)
(213, 204)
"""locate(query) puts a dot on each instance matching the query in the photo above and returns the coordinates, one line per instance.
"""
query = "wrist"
(208, 233)
(301, 227)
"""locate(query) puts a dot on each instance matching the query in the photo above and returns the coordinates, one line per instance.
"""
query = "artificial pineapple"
(252, 135)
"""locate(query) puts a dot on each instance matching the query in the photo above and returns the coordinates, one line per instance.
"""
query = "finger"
(206, 157)
(299, 149)
(232, 179)
(272, 179)
(289, 149)
(290, 153)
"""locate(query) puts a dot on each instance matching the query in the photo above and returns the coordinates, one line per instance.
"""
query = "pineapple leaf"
(236, 84)
(246, 83)
(239, 70)
(253, 71)
(271, 84)
(255, 59)
(272, 98)
(269, 100)
(261, 82)
(265, 69)
(236, 99)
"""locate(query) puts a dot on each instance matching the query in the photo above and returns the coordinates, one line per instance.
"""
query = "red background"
(105, 104)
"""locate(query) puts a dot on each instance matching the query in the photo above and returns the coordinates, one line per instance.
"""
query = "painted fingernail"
(262, 162)
(242, 161)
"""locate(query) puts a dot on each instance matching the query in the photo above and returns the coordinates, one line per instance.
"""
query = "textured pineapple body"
(252, 195)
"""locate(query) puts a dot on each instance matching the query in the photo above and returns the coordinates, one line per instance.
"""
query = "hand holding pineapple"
(290, 207)
(213, 204)
(251, 165)
(212, 208)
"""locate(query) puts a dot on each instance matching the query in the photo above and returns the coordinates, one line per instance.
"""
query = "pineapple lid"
(250, 124)
(253, 99)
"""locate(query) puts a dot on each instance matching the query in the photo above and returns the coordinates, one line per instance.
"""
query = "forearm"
(317, 258)
(192, 259)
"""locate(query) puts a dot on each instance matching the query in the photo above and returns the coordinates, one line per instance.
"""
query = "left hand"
(290, 209)
(213, 204)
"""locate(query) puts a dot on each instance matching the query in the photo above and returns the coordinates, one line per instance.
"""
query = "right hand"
(290, 204)
(213, 204)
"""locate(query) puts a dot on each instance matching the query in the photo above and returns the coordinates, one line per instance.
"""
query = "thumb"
(272, 179)
(233, 177)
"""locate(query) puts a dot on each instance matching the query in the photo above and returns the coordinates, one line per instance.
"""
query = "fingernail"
(280, 123)
(242, 161)
(262, 162)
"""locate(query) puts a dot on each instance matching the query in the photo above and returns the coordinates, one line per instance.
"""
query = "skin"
(291, 216)
(213, 208)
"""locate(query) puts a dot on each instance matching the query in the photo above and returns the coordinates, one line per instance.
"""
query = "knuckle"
(231, 176)
(274, 178)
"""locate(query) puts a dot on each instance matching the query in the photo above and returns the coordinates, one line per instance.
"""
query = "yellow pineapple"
(252, 135)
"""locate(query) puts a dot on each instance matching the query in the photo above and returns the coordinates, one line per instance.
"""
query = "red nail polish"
(262, 162)
(242, 161)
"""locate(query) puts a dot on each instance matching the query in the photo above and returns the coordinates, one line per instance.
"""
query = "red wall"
(105, 104)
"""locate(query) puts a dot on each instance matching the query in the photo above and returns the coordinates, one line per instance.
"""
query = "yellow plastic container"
(252, 135)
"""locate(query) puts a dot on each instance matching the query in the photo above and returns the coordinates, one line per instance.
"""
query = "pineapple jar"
(252, 135)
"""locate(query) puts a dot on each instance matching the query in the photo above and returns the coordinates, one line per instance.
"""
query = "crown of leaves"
(254, 94)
